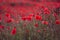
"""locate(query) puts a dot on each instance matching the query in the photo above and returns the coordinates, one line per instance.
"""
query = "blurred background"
(29, 19)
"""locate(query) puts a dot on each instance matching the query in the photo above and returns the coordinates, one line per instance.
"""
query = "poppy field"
(29, 20)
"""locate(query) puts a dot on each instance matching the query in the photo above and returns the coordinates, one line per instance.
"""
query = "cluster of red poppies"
(35, 17)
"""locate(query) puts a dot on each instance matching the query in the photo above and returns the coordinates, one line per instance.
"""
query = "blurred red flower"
(46, 11)
(43, 7)
(7, 15)
(23, 18)
(32, 15)
(10, 20)
(29, 18)
(13, 32)
(36, 25)
(1, 27)
(57, 21)
(37, 17)
(45, 22)
(0, 19)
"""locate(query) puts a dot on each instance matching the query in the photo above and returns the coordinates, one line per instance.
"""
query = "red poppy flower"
(46, 11)
(0, 19)
(7, 15)
(10, 20)
(37, 13)
(31, 15)
(43, 7)
(36, 25)
(13, 32)
(37, 17)
(1, 27)
(23, 18)
(29, 18)
(57, 21)
(45, 22)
